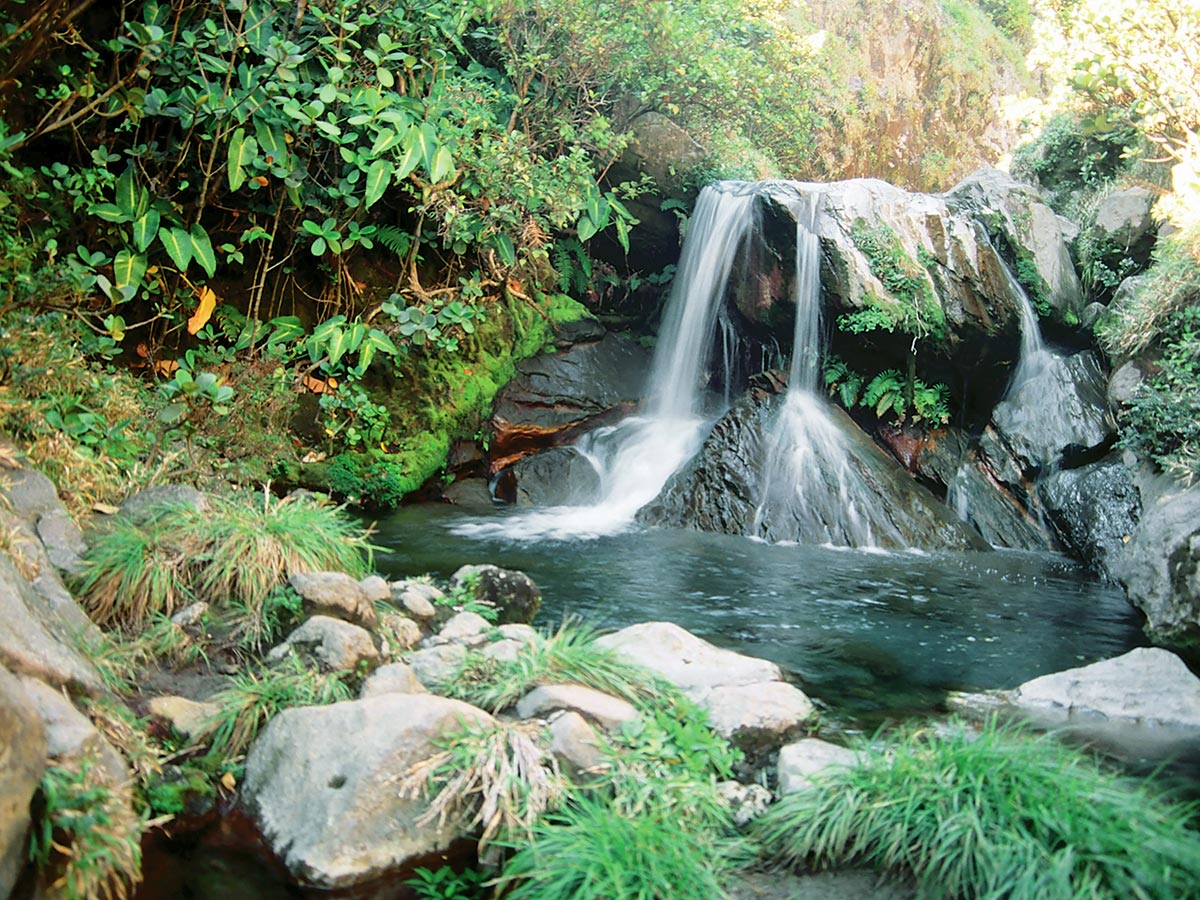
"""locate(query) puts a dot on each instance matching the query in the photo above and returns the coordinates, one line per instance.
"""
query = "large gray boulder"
(514, 595)
(1160, 566)
(1094, 510)
(22, 761)
(1148, 685)
(321, 785)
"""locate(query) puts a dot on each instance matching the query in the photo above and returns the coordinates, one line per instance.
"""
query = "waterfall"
(1034, 355)
(811, 491)
(635, 458)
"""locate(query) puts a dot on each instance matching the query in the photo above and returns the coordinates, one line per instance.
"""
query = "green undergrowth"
(913, 307)
(443, 398)
(997, 814)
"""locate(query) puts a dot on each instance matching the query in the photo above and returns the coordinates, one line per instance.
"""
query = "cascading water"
(811, 491)
(1035, 355)
(635, 458)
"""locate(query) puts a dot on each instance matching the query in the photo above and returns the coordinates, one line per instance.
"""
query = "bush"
(997, 814)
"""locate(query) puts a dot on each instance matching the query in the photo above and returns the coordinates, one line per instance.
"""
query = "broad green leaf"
(339, 344)
(242, 151)
(586, 228)
(284, 329)
(311, 227)
(318, 247)
(380, 341)
(623, 233)
(427, 142)
(379, 176)
(386, 78)
(385, 141)
(109, 212)
(202, 249)
(128, 269)
(505, 249)
(178, 245)
(145, 229)
(271, 142)
(127, 194)
(442, 166)
(354, 336)
(411, 157)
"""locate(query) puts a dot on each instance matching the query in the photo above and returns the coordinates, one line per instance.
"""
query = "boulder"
(757, 717)
(1160, 567)
(376, 589)
(30, 494)
(400, 632)
(1148, 685)
(608, 712)
(437, 665)
(418, 598)
(844, 491)
(690, 663)
(513, 595)
(1094, 511)
(1123, 384)
(467, 628)
(394, 678)
(149, 502)
(1060, 414)
(575, 744)
(555, 397)
(22, 761)
(335, 594)
(191, 719)
(800, 761)
(506, 650)
(336, 645)
(70, 735)
(40, 640)
(1017, 219)
(321, 785)
(560, 476)
(1124, 220)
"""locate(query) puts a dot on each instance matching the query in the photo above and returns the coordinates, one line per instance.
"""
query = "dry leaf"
(228, 781)
(166, 367)
(208, 302)
(106, 509)
(319, 385)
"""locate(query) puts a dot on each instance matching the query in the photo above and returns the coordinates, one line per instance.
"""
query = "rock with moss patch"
(514, 595)
(758, 717)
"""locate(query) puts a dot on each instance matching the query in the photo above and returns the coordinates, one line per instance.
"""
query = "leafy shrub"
(919, 312)
(997, 814)
(1014, 18)
(447, 884)
(887, 393)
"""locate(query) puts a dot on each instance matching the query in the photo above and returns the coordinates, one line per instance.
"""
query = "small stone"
(800, 761)
(336, 644)
(401, 632)
(335, 594)
(417, 597)
(503, 651)
(609, 712)
(376, 589)
(437, 665)
(575, 743)
(394, 678)
(190, 614)
(189, 718)
(150, 502)
(513, 631)
(466, 628)
(746, 801)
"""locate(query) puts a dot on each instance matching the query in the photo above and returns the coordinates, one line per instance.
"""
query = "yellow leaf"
(208, 302)
(228, 781)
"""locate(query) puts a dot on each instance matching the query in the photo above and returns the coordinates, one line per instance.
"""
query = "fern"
(885, 392)
(573, 265)
(840, 379)
(395, 239)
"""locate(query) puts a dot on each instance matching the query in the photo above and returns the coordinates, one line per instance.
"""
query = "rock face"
(723, 487)
(560, 476)
(1147, 685)
(555, 397)
(321, 785)
(1160, 567)
(1094, 511)
(22, 760)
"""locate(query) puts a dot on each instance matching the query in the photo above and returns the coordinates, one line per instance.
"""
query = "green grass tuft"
(999, 814)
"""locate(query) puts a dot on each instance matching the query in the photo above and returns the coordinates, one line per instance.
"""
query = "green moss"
(917, 311)
(443, 398)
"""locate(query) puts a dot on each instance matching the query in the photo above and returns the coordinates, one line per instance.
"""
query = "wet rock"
(1059, 414)
(22, 761)
(394, 678)
(337, 645)
(556, 397)
(335, 594)
(991, 509)
(608, 712)
(1094, 510)
(1160, 567)
(1148, 685)
(560, 476)
(321, 785)
(799, 762)
(512, 594)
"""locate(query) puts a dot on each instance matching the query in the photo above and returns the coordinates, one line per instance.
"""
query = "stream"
(869, 635)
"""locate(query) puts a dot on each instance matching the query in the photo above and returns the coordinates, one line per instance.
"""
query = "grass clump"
(237, 552)
(569, 656)
(593, 850)
(998, 814)
(86, 833)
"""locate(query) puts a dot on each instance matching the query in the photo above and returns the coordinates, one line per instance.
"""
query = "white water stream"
(635, 458)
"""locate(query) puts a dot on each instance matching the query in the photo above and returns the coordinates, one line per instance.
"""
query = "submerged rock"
(321, 784)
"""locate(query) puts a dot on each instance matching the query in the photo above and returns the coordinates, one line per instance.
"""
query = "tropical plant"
(998, 813)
